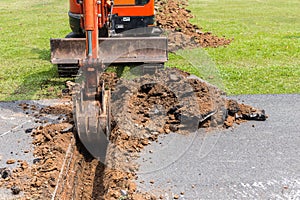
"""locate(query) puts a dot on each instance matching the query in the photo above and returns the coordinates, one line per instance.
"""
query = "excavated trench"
(143, 109)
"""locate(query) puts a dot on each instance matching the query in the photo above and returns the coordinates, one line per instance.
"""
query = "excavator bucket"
(111, 50)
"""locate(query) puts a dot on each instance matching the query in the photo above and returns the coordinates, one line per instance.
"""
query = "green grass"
(264, 56)
(25, 30)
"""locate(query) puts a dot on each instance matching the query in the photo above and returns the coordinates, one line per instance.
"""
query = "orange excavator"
(104, 32)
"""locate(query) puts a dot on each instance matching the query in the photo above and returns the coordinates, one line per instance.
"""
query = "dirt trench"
(143, 108)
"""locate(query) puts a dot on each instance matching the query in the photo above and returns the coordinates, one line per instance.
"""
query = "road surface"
(254, 160)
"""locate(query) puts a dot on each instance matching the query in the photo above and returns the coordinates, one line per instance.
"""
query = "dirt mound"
(173, 17)
(172, 100)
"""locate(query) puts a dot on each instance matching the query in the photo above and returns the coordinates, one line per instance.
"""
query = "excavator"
(104, 33)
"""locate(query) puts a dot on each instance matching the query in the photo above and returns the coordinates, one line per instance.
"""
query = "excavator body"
(104, 32)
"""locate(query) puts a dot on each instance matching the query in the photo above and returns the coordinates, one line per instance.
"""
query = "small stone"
(15, 190)
(173, 128)
(36, 160)
(167, 130)
(29, 130)
(4, 173)
(24, 165)
(124, 192)
(145, 142)
(152, 181)
(173, 77)
(10, 161)
(48, 136)
(161, 130)
(52, 182)
(176, 196)
(69, 128)
(65, 91)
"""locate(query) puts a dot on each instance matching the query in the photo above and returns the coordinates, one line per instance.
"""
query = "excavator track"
(67, 70)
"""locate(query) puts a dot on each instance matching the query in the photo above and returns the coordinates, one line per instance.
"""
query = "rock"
(5, 173)
(10, 161)
(48, 136)
(124, 192)
(24, 165)
(36, 160)
(173, 127)
(29, 130)
(15, 190)
(145, 142)
(52, 182)
(69, 128)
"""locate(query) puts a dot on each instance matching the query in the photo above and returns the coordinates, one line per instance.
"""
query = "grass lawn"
(25, 29)
(264, 56)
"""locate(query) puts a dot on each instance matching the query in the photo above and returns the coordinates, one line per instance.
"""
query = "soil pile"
(172, 100)
(173, 17)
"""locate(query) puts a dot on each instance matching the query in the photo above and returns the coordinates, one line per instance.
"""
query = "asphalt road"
(15, 135)
(254, 160)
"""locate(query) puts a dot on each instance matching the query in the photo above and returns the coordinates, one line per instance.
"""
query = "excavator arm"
(92, 55)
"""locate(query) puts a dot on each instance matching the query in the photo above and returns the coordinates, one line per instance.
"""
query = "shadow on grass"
(44, 54)
(39, 85)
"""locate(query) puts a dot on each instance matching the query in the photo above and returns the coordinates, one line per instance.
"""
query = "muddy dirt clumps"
(173, 17)
(173, 101)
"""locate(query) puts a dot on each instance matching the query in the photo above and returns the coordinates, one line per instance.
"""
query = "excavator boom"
(91, 54)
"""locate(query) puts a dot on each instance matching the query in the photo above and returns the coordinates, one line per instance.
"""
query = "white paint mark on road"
(274, 189)
(7, 118)
(19, 126)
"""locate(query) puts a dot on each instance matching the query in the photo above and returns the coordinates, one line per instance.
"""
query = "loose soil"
(143, 108)
(174, 18)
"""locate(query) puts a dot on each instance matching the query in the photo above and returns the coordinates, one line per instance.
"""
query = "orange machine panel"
(74, 7)
(145, 10)
(124, 2)
(121, 9)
